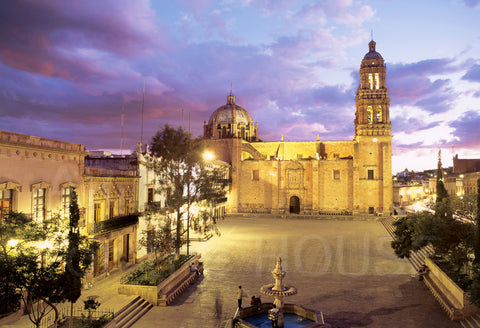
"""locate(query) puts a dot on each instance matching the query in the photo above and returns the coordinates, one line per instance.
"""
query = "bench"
(186, 278)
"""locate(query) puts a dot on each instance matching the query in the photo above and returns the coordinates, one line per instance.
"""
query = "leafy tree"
(403, 233)
(158, 239)
(10, 227)
(476, 243)
(178, 155)
(33, 265)
(474, 291)
(78, 256)
(475, 287)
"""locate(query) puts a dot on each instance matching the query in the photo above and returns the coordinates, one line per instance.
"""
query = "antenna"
(121, 135)
(143, 105)
(371, 33)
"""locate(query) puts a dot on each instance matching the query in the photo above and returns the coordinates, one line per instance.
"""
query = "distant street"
(346, 269)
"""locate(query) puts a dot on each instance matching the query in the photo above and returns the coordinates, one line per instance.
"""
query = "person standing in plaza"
(240, 296)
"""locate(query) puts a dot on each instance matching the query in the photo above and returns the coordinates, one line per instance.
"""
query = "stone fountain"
(290, 315)
(278, 290)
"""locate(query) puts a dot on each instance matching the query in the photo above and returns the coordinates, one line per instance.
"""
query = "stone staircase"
(471, 322)
(130, 313)
(417, 259)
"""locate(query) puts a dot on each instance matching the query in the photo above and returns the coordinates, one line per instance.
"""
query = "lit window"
(5, 201)
(377, 81)
(370, 81)
(39, 204)
(66, 202)
(369, 115)
(379, 114)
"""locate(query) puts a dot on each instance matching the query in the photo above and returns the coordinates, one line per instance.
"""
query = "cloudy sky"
(69, 68)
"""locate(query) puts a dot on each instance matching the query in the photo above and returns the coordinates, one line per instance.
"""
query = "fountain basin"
(296, 316)
(286, 291)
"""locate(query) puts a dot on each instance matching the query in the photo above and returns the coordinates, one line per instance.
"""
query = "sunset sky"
(68, 68)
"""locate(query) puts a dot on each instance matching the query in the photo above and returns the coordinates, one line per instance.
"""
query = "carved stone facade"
(312, 177)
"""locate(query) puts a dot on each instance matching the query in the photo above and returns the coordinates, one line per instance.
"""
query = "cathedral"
(311, 177)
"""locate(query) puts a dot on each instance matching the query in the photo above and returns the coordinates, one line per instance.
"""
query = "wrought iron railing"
(115, 223)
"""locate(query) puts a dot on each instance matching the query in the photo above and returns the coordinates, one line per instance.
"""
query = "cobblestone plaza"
(344, 268)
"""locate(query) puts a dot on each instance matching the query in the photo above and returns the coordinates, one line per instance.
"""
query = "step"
(140, 314)
(133, 315)
(120, 315)
(471, 322)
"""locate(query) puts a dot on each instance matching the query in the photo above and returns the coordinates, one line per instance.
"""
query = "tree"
(442, 204)
(178, 154)
(10, 226)
(31, 256)
(159, 240)
(78, 256)
(476, 244)
(475, 287)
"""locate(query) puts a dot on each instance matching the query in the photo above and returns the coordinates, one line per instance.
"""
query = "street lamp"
(208, 155)
(12, 242)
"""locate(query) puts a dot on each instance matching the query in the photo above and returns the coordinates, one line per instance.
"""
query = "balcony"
(115, 224)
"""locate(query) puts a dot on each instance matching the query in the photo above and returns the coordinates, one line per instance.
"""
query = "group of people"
(273, 313)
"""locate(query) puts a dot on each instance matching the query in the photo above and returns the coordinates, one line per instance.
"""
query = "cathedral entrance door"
(294, 205)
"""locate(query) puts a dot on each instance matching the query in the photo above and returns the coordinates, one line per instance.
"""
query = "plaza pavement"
(344, 268)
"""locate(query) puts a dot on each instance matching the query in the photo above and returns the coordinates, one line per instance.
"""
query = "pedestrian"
(240, 295)
(273, 315)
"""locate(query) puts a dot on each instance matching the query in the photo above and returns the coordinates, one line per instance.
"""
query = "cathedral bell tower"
(373, 138)
(372, 117)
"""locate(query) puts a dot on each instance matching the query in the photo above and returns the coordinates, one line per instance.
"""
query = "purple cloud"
(411, 84)
(69, 40)
(473, 74)
(472, 3)
(466, 129)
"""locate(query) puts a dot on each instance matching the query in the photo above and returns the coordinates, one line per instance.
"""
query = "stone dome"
(230, 121)
(230, 113)
(372, 57)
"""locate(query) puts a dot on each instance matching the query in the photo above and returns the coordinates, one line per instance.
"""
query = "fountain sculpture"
(290, 315)
(278, 291)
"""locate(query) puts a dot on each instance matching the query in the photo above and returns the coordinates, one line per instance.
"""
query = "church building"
(311, 177)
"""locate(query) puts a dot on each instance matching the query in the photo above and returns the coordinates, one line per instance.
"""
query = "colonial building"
(311, 177)
(111, 203)
(36, 174)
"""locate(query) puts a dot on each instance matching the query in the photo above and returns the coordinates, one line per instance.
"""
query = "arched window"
(379, 114)
(377, 81)
(369, 115)
(370, 81)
